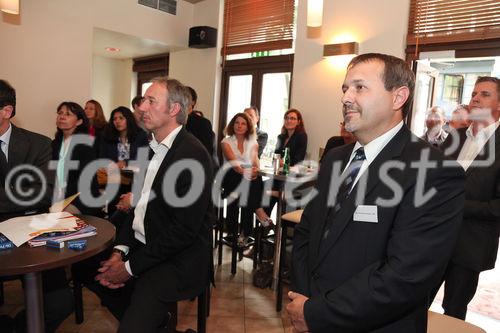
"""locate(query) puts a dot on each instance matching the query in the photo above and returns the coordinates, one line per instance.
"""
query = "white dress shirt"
(160, 151)
(474, 144)
(372, 149)
(4, 142)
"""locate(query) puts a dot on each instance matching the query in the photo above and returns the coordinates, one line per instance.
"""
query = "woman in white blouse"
(240, 149)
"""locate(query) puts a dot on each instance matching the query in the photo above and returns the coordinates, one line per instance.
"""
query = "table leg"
(277, 240)
(34, 302)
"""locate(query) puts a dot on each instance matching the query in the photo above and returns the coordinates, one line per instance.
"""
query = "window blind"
(441, 21)
(257, 25)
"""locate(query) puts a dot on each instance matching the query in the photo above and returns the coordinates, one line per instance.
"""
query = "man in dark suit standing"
(163, 250)
(477, 149)
(253, 113)
(27, 151)
(376, 239)
(200, 126)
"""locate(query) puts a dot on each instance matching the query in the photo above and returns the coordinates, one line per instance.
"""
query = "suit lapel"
(18, 148)
(323, 218)
(490, 147)
(371, 178)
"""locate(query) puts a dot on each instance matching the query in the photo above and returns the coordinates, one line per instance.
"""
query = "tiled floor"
(236, 306)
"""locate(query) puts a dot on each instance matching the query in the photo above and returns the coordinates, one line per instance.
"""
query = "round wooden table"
(31, 261)
(294, 180)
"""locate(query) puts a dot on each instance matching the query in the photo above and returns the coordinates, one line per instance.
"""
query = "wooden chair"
(288, 220)
(440, 323)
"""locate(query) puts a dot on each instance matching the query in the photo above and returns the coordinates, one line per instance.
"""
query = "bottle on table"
(286, 161)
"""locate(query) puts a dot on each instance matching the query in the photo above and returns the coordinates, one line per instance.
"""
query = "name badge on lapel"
(366, 213)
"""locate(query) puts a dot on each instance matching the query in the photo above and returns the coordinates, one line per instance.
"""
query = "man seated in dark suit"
(27, 151)
(253, 113)
(163, 251)
(376, 239)
(344, 138)
(477, 149)
(200, 126)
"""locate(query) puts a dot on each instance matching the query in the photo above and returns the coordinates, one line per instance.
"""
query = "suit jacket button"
(315, 276)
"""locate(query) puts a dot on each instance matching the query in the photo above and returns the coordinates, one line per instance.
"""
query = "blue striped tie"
(346, 187)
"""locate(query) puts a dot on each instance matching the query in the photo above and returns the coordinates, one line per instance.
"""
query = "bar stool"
(288, 220)
(440, 323)
(236, 252)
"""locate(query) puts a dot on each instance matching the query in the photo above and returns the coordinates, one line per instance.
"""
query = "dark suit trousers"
(459, 289)
(138, 307)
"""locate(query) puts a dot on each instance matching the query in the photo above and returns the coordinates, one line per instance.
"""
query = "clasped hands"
(249, 173)
(112, 273)
(295, 311)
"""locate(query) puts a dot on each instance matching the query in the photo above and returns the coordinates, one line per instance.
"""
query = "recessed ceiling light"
(112, 49)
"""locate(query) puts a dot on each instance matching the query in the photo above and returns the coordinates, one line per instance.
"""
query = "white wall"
(378, 26)
(200, 68)
(47, 55)
(112, 83)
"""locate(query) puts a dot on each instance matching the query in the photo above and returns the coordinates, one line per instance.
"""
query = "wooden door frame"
(256, 67)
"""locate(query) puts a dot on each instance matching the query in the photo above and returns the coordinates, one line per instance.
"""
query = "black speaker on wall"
(202, 37)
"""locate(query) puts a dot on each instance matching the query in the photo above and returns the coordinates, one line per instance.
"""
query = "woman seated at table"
(66, 147)
(240, 150)
(95, 115)
(293, 136)
(121, 139)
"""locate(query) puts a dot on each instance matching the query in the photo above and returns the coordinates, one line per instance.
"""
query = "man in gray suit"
(27, 151)
(21, 149)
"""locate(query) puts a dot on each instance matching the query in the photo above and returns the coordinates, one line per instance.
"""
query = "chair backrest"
(440, 323)
(293, 216)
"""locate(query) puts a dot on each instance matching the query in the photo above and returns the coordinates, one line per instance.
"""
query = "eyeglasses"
(290, 118)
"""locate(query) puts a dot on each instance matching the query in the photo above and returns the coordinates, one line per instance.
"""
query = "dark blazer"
(109, 149)
(201, 128)
(84, 154)
(176, 258)
(32, 149)
(377, 277)
(333, 142)
(297, 145)
(477, 244)
(261, 140)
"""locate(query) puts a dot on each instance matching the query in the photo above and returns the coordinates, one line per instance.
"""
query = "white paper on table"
(21, 229)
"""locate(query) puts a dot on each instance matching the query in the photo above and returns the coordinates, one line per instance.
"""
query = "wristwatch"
(120, 252)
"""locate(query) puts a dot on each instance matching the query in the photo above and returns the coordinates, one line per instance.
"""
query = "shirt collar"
(374, 147)
(483, 133)
(167, 142)
(6, 136)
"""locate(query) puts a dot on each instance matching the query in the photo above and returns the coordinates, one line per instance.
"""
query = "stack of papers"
(19, 230)
(81, 231)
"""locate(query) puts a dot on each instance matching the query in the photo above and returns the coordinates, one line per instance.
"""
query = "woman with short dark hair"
(66, 147)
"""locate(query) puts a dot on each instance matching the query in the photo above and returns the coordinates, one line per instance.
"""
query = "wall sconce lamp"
(10, 6)
(314, 13)
(340, 49)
